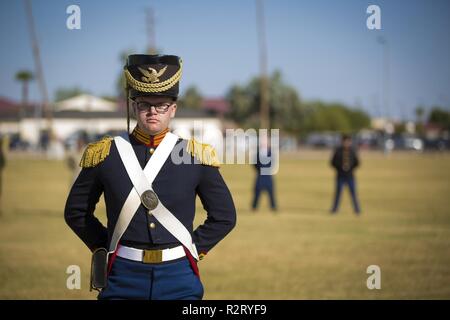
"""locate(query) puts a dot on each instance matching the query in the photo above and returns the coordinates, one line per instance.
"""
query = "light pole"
(385, 76)
(385, 88)
(150, 21)
(264, 88)
(39, 70)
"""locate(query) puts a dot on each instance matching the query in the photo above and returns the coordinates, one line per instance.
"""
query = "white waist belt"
(150, 256)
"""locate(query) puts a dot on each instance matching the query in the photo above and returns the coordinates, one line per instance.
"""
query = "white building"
(96, 117)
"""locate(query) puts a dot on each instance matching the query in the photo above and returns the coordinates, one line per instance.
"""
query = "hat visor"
(134, 94)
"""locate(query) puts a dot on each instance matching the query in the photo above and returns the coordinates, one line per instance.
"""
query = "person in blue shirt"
(264, 180)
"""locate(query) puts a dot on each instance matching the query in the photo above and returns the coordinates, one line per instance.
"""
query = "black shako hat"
(153, 75)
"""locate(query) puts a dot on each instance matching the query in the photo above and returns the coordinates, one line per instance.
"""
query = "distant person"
(263, 182)
(2, 163)
(345, 161)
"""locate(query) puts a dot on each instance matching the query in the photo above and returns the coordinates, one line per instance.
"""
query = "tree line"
(286, 108)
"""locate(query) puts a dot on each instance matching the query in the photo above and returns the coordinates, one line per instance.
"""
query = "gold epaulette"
(96, 152)
(204, 152)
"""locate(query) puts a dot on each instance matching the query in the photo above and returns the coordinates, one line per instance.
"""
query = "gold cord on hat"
(153, 87)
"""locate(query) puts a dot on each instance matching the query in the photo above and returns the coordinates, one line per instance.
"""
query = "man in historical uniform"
(264, 181)
(150, 179)
(345, 161)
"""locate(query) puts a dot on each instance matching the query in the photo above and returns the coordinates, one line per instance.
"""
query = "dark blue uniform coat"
(176, 186)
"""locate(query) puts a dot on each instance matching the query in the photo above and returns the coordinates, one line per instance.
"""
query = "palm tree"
(25, 77)
(420, 111)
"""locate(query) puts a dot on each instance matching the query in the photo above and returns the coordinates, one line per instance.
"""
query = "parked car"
(408, 143)
(440, 144)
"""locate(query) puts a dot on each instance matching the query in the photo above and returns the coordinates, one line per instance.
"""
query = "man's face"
(347, 143)
(149, 119)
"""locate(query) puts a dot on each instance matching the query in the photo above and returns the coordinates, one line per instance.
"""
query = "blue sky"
(323, 48)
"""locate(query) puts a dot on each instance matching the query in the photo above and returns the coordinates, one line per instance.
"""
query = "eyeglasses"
(146, 106)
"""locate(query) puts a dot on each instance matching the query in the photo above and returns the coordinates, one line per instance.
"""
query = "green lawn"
(300, 253)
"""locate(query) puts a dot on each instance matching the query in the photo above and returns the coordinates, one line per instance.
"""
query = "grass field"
(301, 253)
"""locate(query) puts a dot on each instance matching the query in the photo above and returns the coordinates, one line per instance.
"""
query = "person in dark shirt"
(264, 182)
(345, 161)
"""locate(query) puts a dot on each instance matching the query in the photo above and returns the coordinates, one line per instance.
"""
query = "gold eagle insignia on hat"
(151, 75)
